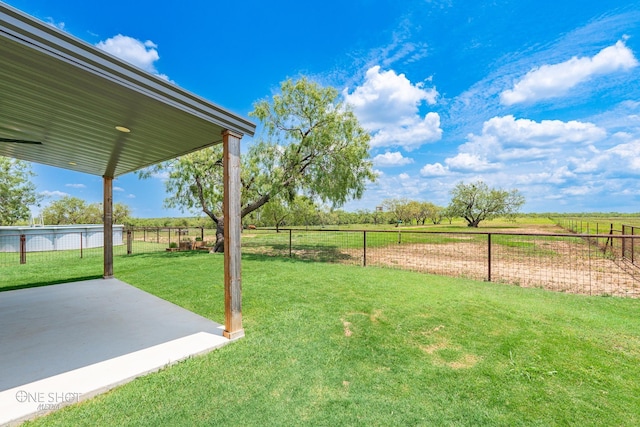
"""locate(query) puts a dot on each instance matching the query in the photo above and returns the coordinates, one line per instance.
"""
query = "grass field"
(329, 344)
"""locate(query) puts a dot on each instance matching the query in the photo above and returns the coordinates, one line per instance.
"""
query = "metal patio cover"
(62, 99)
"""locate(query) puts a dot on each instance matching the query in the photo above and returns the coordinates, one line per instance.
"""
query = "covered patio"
(67, 104)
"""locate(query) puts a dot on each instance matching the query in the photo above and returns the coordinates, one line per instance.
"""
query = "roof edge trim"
(24, 29)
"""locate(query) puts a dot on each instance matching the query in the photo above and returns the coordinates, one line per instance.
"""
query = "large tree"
(17, 192)
(311, 144)
(73, 210)
(477, 202)
(401, 209)
(275, 213)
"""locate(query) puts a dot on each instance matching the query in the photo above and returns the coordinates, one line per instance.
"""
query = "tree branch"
(202, 200)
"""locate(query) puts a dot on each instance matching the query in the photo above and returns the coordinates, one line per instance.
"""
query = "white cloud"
(409, 52)
(404, 176)
(131, 196)
(58, 25)
(470, 163)
(410, 135)
(629, 153)
(578, 190)
(75, 185)
(390, 159)
(55, 193)
(510, 139)
(435, 169)
(115, 188)
(387, 104)
(529, 133)
(138, 53)
(549, 81)
(558, 176)
(162, 175)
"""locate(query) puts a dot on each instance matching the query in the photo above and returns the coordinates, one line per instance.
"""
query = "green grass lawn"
(328, 344)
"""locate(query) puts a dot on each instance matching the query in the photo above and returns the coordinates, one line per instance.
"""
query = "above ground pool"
(57, 237)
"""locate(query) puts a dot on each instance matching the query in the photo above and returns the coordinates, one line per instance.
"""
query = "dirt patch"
(465, 362)
(347, 328)
(430, 349)
(559, 265)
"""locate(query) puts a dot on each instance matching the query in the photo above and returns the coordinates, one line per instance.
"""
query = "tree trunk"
(219, 246)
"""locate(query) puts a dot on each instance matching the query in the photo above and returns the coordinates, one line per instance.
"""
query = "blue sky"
(542, 96)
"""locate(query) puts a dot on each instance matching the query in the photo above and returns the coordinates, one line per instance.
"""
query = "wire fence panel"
(450, 254)
(585, 264)
(627, 248)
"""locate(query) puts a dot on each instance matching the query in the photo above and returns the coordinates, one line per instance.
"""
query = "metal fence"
(34, 247)
(594, 264)
(626, 248)
(577, 263)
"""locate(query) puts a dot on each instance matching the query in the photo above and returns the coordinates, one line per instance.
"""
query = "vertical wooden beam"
(232, 227)
(107, 220)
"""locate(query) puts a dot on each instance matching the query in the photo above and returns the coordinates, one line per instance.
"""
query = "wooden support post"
(488, 257)
(364, 248)
(232, 228)
(23, 249)
(108, 226)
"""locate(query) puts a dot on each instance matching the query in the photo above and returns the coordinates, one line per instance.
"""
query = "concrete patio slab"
(64, 343)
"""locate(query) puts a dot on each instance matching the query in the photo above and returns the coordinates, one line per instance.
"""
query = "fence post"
(609, 241)
(632, 243)
(202, 234)
(624, 242)
(129, 241)
(488, 257)
(290, 252)
(23, 249)
(364, 247)
(81, 244)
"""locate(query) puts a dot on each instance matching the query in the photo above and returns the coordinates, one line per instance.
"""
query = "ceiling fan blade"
(19, 141)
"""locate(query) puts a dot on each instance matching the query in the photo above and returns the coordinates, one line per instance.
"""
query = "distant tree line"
(473, 202)
(73, 210)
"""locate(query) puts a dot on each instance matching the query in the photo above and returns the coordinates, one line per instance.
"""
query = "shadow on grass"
(268, 257)
(50, 282)
(166, 254)
(322, 253)
(333, 255)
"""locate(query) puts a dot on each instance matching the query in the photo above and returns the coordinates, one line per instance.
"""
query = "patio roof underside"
(62, 99)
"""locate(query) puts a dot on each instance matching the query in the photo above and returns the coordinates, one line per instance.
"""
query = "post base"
(233, 335)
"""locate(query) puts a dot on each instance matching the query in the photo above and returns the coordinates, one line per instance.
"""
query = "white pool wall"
(57, 237)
